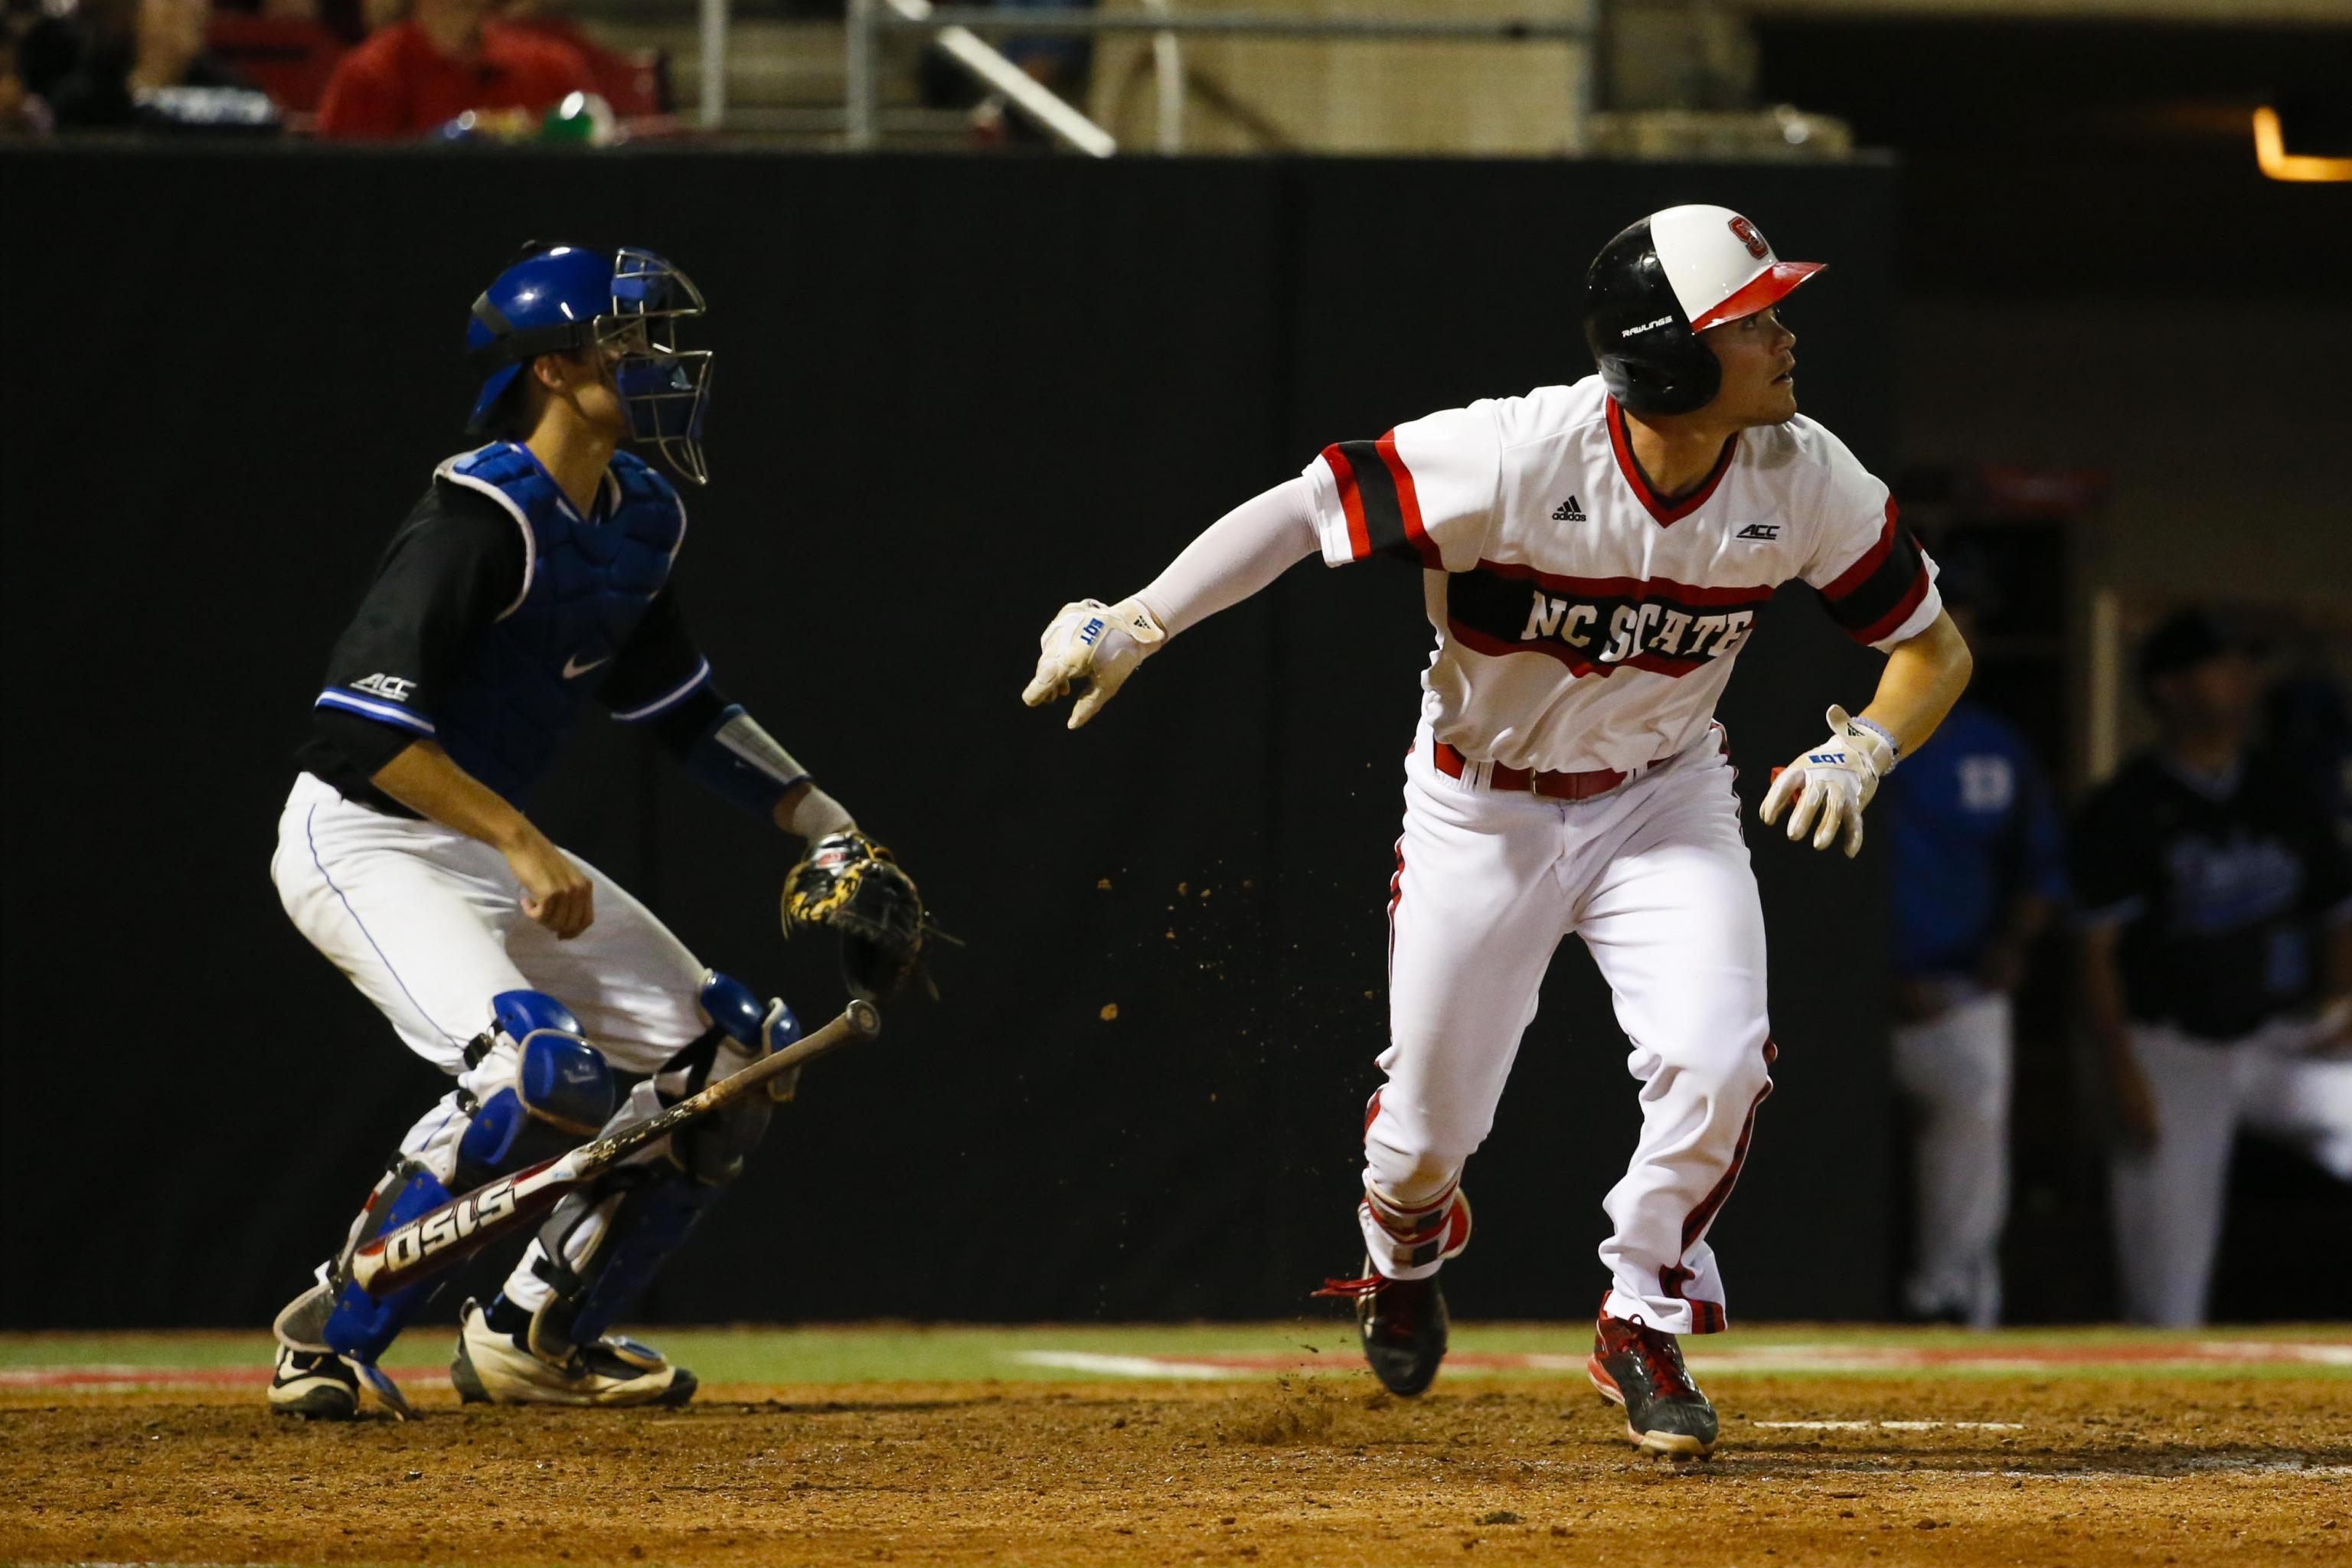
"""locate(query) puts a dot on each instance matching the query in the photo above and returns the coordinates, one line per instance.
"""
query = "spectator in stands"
(2217, 968)
(142, 64)
(1978, 874)
(445, 58)
(23, 112)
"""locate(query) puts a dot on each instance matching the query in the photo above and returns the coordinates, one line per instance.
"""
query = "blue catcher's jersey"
(586, 585)
(1973, 827)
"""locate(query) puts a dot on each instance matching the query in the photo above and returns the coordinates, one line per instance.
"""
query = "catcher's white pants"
(1655, 877)
(1956, 1068)
(428, 924)
(2168, 1201)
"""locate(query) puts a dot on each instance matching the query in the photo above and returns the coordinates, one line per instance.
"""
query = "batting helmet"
(1663, 281)
(562, 299)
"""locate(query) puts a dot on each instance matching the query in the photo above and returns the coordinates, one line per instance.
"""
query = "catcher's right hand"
(1096, 644)
(851, 886)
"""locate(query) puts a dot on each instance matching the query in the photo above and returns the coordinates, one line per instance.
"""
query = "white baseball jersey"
(1583, 622)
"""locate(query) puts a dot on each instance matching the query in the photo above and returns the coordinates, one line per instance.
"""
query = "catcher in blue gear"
(530, 583)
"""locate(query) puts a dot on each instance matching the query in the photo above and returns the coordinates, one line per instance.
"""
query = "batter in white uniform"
(1595, 557)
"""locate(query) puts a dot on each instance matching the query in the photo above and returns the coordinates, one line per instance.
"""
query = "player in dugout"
(1979, 873)
(530, 581)
(2216, 964)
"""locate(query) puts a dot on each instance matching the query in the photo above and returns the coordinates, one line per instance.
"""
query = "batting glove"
(1831, 782)
(1095, 644)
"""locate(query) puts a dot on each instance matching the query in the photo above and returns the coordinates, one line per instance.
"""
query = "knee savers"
(712, 1152)
(561, 1093)
(754, 1027)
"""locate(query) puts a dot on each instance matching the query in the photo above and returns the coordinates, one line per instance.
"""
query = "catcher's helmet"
(561, 299)
(1663, 281)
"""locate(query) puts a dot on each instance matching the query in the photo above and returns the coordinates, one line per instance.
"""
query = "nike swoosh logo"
(574, 669)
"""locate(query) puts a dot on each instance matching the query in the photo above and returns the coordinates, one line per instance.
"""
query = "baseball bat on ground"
(433, 1241)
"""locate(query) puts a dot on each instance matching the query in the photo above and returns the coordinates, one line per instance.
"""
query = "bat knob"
(864, 1018)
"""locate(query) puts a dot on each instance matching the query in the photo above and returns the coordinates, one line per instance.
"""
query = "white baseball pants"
(428, 924)
(2168, 1201)
(1655, 877)
(1956, 1068)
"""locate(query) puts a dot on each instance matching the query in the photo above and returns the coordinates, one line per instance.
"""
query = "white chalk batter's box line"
(1892, 1426)
(2150, 1356)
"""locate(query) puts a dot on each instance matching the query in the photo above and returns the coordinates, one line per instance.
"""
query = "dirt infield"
(1851, 1468)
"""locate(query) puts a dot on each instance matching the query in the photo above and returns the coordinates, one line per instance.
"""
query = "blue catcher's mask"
(625, 305)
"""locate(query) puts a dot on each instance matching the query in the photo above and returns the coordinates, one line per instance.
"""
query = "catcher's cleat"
(1641, 1368)
(1402, 1323)
(491, 1368)
(314, 1387)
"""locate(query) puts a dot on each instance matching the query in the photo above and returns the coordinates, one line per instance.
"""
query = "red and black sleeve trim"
(1383, 509)
(1877, 594)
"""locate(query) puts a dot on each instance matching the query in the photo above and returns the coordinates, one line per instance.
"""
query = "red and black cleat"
(1641, 1368)
(1402, 1323)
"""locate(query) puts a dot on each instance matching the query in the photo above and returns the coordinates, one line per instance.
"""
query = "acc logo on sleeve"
(391, 687)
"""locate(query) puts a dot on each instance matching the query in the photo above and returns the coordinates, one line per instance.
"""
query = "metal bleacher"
(785, 81)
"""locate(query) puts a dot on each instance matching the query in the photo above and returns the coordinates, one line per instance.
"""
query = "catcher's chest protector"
(588, 583)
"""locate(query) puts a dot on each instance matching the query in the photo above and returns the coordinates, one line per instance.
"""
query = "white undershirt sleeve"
(1239, 553)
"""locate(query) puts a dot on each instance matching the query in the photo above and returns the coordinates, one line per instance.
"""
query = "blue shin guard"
(643, 1229)
(600, 1249)
(560, 1092)
(361, 1327)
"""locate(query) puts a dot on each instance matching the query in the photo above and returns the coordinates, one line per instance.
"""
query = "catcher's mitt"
(851, 886)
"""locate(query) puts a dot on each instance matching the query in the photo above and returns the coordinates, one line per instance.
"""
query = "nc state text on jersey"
(1595, 624)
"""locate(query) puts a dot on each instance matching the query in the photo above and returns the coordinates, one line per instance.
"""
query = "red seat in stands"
(289, 57)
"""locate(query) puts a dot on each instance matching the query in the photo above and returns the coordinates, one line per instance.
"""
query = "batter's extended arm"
(1096, 646)
(1924, 675)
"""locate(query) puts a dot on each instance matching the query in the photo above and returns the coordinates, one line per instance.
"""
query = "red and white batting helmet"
(1663, 281)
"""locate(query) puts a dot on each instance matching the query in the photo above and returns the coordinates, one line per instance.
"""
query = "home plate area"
(1193, 1443)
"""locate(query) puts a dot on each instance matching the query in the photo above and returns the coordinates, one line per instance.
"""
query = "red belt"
(1553, 786)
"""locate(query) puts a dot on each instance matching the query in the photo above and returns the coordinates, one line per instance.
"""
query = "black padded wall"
(951, 394)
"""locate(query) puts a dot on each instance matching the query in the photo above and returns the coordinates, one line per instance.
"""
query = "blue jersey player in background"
(531, 582)
(1979, 871)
